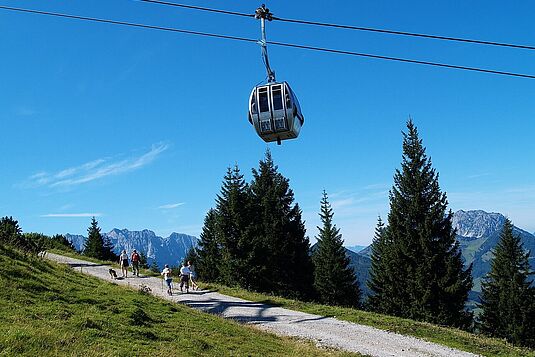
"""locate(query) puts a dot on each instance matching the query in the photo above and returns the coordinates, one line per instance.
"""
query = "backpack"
(135, 257)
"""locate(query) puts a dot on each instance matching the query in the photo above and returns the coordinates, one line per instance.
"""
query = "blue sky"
(138, 127)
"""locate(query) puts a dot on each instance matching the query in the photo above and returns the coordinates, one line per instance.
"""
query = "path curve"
(324, 331)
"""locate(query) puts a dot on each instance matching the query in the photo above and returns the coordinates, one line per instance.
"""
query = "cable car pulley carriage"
(274, 110)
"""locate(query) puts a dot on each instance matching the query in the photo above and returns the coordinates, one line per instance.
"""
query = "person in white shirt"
(184, 277)
(192, 277)
(166, 272)
(123, 262)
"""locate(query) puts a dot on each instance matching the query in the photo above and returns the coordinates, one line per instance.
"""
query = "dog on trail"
(113, 274)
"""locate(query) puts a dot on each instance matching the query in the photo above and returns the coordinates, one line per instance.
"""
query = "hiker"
(166, 272)
(135, 262)
(192, 276)
(123, 262)
(184, 277)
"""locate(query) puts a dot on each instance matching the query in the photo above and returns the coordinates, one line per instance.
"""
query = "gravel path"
(324, 331)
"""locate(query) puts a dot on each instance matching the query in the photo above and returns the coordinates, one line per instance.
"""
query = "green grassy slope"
(451, 337)
(50, 310)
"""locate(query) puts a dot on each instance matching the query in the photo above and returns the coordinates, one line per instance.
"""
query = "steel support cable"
(201, 8)
(124, 23)
(406, 60)
(350, 27)
(283, 44)
(403, 33)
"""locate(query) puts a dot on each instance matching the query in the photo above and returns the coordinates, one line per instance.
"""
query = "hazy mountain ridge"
(361, 264)
(356, 248)
(168, 250)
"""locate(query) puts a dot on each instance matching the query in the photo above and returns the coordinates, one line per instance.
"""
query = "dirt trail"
(324, 331)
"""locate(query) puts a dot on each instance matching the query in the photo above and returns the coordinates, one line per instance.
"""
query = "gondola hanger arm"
(263, 14)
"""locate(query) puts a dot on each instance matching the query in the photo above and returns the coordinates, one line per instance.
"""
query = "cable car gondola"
(274, 110)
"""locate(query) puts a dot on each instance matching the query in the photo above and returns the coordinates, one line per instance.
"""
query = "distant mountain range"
(478, 232)
(170, 250)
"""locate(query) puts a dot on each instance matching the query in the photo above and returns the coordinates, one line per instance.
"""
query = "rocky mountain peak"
(477, 224)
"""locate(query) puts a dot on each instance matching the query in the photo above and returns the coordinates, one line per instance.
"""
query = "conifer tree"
(107, 249)
(192, 256)
(232, 220)
(94, 245)
(379, 281)
(427, 280)
(11, 234)
(143, 261)
(61, 240)
(280, 261)
(154, 267)
(10, 231)
(334, 280)
(507, 299)
(209, 249)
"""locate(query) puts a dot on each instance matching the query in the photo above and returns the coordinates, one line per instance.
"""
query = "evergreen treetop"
(507, 298)
(209, 249)
(232, 220)
(280, 247)
(420, 260)
(94, 245)
(334, 279)
(380, 280)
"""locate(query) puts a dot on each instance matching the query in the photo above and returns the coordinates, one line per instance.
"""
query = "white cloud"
(93, 170)
(171, 205)
(475, 176)
(70, 215)
(342, 203)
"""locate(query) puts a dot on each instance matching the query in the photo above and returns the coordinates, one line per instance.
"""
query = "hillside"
(51, 310)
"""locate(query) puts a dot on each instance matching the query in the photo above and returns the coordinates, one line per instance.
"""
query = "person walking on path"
(123, 262)
(192, 277)
(166, 272)
(135, 262)
(184, 277)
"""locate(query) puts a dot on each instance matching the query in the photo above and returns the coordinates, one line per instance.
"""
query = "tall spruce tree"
(280, 261)
(334, 280)
(379, 282)
(507, 299)
(94, 245)
(209, 249)
(232, 221)
(421, 256)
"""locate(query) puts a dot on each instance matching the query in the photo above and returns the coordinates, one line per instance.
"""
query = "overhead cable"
(350, 27)
(243, 39)
(411, 34)
(132, 24)
(201, 8)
